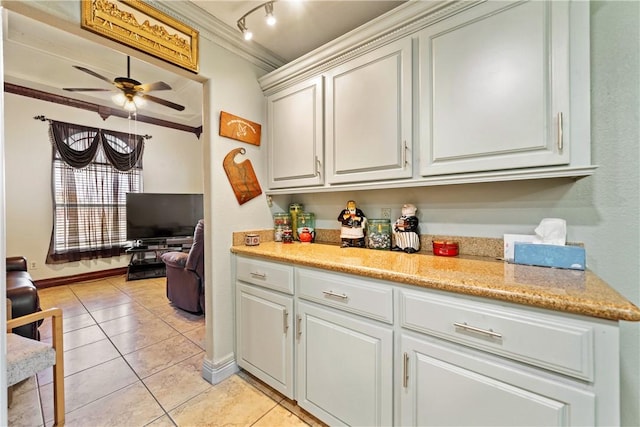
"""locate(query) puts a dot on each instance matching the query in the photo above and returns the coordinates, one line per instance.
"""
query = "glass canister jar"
(281, 222)
(379, 233)
(294, 210)
(307, 224)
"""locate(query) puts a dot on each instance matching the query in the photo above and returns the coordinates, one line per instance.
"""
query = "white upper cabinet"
(437, 93)
(295, 129)
(495, 89)
(368, 122)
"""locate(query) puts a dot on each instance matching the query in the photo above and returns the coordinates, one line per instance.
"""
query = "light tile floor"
(132, 359)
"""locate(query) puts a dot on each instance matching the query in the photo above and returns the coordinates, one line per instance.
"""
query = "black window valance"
(78, 145)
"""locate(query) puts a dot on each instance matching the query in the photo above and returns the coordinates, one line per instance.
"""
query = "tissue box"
(511, 239)
(572, 257)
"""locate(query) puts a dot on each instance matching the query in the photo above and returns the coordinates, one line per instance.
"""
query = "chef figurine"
(405, 230)
(353, 223)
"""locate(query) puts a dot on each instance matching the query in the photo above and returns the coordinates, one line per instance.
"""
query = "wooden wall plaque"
(240, 129)
(241, 176)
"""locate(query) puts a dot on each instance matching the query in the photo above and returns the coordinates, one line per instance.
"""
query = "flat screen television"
(156, 216)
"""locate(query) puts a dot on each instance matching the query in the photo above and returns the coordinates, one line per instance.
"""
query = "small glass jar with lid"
(294, 210)
(379, 234)
(306, 224)
(281, 222)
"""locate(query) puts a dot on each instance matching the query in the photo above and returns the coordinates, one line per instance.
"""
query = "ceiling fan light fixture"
(119, 99)
(139, 100)
(130, 105)
(131, 93)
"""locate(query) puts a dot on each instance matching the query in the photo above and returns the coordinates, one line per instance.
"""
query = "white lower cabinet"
(444, 384)
(344, 367)
(264, 323)
(464, 361)
(365, 352)
(344, 373)
(265, 344)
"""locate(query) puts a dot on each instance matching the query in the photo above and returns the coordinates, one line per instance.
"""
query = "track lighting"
(270, 19)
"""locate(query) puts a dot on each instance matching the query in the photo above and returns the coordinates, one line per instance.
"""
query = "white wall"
(602, 211)
(233, 87)
(172, 163)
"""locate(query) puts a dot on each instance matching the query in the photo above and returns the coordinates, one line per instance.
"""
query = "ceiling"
(301, 26)
(41, 57)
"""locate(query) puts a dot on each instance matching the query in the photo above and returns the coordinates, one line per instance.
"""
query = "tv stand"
(145, 262)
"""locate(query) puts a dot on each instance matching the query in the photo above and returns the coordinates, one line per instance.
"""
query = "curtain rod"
(44, 119)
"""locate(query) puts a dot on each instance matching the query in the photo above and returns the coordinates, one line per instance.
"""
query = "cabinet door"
(443, 384)
(344, 367)
(369, 118)
(295, 119)
(265, 337)
(494, 84)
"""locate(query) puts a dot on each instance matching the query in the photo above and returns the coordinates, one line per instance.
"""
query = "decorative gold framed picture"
(138, 25)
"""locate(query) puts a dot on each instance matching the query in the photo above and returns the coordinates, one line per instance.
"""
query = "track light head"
(271, 20)
(247, 34)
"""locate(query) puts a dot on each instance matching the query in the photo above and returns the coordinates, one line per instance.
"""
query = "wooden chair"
(26, 357)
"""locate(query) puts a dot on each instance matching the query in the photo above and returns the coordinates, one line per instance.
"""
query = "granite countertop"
(572, 291)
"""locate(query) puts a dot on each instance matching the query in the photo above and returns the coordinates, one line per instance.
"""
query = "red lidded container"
(445, 248)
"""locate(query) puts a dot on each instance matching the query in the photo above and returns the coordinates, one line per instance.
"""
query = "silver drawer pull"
(405, 371)
(487, 332)
(560, 132)
(285, 320)
(333, 294)
(262, 276)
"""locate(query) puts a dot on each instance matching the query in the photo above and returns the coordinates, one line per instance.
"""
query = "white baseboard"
(215, 374)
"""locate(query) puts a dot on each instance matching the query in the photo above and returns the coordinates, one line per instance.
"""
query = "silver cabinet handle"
(560, 135)
(487, 332)
(262, 276)
(285, 320)
(334, 294)
(404, 153)
(405, 371)
(299, 321)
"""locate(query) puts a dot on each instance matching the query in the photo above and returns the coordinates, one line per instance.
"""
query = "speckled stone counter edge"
(560, 290)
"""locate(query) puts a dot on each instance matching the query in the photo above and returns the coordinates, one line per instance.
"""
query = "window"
(89, 191)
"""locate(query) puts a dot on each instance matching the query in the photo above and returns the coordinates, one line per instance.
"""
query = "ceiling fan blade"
(85, 89)
(163, 102)
(93, 73)
(148, 87)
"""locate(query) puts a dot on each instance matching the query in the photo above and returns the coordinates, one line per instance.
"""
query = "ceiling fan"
(132, 91)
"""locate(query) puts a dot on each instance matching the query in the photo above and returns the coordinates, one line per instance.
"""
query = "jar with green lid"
(294, 210)
(379, 234)
(306, 223)
(281, 222)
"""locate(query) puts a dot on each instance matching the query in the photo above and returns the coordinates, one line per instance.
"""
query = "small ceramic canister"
(251, 239)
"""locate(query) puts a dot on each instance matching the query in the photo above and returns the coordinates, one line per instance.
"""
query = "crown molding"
(399, 22)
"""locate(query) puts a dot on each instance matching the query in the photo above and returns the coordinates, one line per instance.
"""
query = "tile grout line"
(121, 355)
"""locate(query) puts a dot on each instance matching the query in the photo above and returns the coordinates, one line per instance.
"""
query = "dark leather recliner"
(23, 295)
(185, 274)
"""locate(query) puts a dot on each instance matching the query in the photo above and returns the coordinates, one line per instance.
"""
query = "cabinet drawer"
(552, 342)
(347, 293)
(270, 275)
